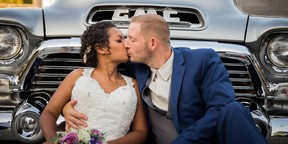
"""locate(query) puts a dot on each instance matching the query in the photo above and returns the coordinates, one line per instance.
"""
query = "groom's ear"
(153, 43)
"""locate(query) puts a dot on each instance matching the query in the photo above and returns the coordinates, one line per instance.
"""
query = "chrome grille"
(239, 75)
(55, 67)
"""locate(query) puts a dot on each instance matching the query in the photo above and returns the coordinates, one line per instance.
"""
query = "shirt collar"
(165, 70)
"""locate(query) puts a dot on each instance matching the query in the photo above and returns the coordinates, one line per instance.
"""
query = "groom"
(187, 93)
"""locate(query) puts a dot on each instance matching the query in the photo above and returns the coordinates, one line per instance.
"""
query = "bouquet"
(82, 136)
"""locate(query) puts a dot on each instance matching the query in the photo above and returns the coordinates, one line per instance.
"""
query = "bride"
(110, 100)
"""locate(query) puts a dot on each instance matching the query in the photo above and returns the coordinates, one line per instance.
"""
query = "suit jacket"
(200, 87)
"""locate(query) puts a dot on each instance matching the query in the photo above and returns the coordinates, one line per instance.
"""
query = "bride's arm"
(139, 129)
(54, 108)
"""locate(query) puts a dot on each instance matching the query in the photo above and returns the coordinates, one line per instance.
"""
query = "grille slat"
(50, 75)
(243, 87)
(244, 94)
(237, 72)
(240, 80)
(59, 67)
(234, 64)
(51, 83)
(62, 60)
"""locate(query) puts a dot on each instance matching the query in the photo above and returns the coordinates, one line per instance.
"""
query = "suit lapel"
(176, 83)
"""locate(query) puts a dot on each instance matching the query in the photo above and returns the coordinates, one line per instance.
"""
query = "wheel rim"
(26, 127)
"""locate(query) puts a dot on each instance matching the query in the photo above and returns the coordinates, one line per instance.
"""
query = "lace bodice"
(110, 113)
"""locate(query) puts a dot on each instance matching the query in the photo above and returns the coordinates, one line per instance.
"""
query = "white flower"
(83, 135)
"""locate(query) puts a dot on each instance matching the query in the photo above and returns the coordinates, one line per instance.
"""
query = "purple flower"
(96, 132)
(96, 137)
(93, 140)
(69, 138)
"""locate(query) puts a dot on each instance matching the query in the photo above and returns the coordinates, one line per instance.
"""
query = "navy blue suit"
(202, 100)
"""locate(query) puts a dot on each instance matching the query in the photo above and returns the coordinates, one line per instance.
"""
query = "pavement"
(10, 142)
(274, 140)
(9, 139)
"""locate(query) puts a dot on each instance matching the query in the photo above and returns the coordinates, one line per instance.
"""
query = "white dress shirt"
(160, 84)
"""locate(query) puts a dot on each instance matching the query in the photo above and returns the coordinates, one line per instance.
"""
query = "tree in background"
(16, 1)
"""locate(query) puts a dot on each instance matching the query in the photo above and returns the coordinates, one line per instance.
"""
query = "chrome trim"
(278, 103)
(281, 90)
(8, 99)
(5, 82)
(262, 122)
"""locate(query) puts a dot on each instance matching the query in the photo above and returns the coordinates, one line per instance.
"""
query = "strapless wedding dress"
(111, 113)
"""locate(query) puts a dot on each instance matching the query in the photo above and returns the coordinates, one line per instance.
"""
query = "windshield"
(264, 7)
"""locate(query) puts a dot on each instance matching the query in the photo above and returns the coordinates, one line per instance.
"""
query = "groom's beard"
(144, 57)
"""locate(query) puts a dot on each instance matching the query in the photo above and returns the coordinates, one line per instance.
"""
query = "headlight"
(10, 43)
(277, 51)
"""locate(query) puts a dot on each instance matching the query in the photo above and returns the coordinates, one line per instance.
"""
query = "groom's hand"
(72, 117)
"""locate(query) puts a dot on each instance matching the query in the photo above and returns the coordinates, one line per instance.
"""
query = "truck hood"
(221, 20)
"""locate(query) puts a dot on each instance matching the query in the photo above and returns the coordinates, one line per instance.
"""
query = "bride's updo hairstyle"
(95, 34)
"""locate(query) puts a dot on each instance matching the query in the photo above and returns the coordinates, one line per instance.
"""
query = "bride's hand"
(72, 117)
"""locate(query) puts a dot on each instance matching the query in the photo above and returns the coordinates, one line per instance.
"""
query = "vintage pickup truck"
(40, 46)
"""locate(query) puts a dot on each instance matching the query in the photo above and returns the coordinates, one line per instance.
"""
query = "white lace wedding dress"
(110, 113)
